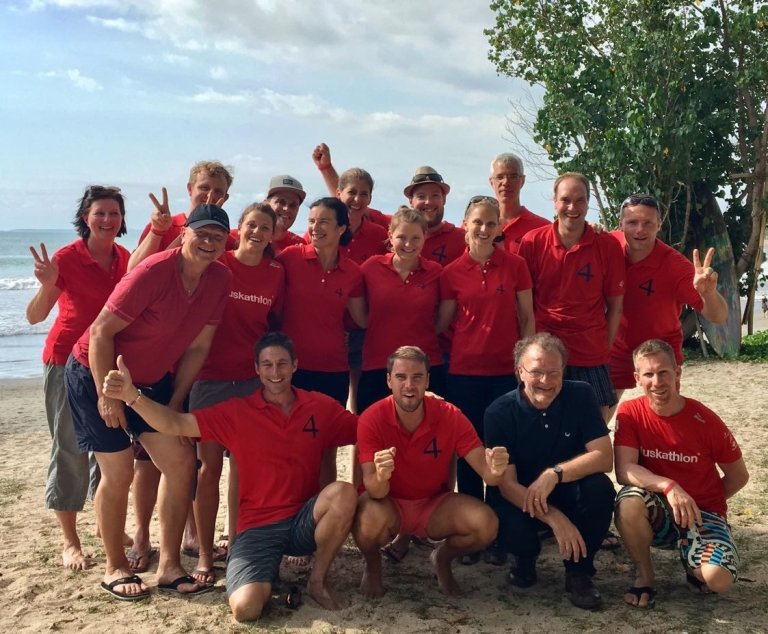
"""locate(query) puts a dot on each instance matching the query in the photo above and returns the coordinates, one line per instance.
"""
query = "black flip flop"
(124, 596)
(639, 591)
(173, 586)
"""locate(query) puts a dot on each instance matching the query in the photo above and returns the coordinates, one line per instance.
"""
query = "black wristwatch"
(559, 471)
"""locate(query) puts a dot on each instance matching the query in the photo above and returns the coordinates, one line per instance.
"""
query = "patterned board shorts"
(711, 543)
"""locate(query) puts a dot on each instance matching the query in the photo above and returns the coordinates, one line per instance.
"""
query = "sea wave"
(18, 283)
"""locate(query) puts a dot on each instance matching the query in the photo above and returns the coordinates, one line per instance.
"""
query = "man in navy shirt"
(559, 453)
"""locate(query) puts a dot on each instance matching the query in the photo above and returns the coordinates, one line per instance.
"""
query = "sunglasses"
(427, 178)
(482, 199)
(640, 199)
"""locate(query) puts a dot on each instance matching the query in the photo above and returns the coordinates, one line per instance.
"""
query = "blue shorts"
(711, 543)
(91, 430)
(255, 554)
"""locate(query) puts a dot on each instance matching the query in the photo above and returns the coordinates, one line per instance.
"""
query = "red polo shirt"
(444, 246)
(570, 288)
(369, 239)
(400, 312)
(486, 327)
(256, 292)
(85, 287)
(290, 239)
(315, 301)
(517, 227)
(422, 459)
(378, 217)
(278, 456)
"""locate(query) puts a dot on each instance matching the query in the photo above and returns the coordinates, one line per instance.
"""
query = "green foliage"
(754, 347)
(640, 95)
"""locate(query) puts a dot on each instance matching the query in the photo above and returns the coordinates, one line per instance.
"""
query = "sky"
(132, 93)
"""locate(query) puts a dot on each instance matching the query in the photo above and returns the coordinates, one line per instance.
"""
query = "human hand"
(538, 492)
(704, 276)
(570, 543)
(112, 410)
(161, 217)
(219, 202)
(321, 156)
(118, 383)
(497, 460)
(384, 461)
(46, 270)
(685, 511)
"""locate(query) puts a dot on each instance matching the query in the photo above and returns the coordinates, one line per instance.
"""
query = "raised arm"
(321, 156)
(160, 222)
(46, 272)
(489, 464)
(119, 385)
(376, 474)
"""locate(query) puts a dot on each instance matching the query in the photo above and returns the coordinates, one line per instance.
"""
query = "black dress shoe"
(495, 555)
(582, 591)
(523, 572)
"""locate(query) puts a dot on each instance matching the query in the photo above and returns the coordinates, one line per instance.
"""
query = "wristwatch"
(559, 471)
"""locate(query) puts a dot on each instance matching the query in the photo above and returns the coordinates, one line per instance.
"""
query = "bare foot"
(371, 585)
(444, 574)
(72, 557)
(323, 595)
(139, 560)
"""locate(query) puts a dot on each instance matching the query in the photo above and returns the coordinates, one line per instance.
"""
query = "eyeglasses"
(640, 199)
(540, 374)
(482, 199)
(500, 178)
(210, 236)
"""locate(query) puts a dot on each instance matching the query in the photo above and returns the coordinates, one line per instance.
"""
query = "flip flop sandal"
(639, 591)
(124, 596)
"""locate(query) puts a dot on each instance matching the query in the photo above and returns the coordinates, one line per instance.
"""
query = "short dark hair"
(342, 215)
(408, 353)
(91, 194)
(545, 341)
(275, 339)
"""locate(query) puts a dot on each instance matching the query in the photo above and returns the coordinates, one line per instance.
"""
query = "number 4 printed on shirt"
(311, 427)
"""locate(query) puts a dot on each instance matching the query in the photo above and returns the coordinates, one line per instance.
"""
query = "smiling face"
(323, 229)
(660, 379)
(571, 204)
(275, 369)
(640, 224)
(429, 200)
(542, 374)
(256, 231)
(204, 185)
(356, 196)
(204, 244)
(408, 381)
(286, 204)
(104, 219)
(482, 226)
(407, 241)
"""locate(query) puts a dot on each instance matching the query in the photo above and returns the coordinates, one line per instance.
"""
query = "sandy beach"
(36, 594)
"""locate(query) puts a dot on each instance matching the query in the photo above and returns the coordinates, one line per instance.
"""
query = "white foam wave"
(18, 283)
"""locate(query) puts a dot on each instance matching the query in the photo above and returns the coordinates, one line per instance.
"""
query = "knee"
(342, 497)
(210, 472)
(717, 578)
(485, 524)
(373, 522)
(247, 605)
(178, 461)
(117, 476)
(630, 509)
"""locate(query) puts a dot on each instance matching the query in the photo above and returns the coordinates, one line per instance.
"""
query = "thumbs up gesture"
(118, 383)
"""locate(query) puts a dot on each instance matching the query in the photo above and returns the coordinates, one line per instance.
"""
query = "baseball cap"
(287, 183)
(207, 214)
(426, 174)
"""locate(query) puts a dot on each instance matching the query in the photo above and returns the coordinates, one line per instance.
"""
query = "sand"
(36, 594)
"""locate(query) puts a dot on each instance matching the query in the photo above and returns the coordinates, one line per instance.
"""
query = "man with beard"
(426, 193)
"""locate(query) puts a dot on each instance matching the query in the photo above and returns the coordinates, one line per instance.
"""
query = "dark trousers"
(472, 395)
(334, 384)
(588, 503)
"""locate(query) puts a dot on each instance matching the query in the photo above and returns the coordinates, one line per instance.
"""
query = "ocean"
(21, 345)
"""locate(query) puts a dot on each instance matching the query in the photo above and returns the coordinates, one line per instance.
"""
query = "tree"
(656, 96)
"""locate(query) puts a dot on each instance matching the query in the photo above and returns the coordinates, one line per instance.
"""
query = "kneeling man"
(277, 436)
(559, 453)
(668, 451)
(407, 442)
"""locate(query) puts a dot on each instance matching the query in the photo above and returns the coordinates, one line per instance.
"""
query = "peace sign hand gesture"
(46, 270)
(704, 276)
(160, 219)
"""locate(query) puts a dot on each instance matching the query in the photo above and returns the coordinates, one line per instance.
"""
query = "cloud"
(119, 24)
(78, 80)
(219, 73)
